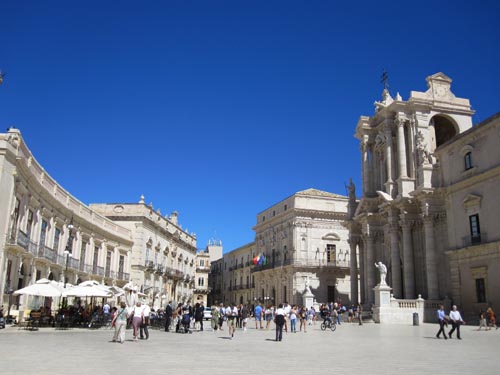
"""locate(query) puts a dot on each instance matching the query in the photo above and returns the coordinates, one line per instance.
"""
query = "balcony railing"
(308, 263)
(100, 271)
(32, 247)
(45, 252)
(173, 273)
(61, 260)
(478, 239)
(123, 275)
(22, 239)
(74, 263)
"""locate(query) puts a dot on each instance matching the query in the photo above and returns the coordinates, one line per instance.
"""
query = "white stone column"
(430, 259)
(353, 269)
(388, 158)
(365, 165)
(401, 148)
(408, 264)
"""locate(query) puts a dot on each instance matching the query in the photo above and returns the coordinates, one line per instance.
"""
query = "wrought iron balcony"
(123, 275)
(308, 263)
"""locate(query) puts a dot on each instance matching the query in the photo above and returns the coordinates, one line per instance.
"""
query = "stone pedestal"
(424, 175)
(308, 299)
(382, 309)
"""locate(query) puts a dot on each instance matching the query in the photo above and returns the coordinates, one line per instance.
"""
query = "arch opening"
(444, 129)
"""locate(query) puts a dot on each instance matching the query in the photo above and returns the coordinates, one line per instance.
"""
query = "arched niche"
(445, 128)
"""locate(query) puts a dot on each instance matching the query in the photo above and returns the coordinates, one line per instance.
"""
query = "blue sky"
(220, 109)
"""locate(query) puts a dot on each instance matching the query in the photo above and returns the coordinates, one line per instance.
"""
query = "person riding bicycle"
(325, 314)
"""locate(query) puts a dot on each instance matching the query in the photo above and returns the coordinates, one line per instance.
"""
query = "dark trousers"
(442, 323)
(201, 325)
(168, 321)
(279, 332)
(144, 328)
(455, 326)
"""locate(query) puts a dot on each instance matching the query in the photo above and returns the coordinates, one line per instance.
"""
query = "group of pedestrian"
(487, 319)
(454, 318)
(138, 315)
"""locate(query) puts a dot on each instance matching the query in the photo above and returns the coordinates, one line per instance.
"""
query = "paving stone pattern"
(353, 349)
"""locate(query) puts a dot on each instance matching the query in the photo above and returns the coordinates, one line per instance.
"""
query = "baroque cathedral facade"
(430, 192)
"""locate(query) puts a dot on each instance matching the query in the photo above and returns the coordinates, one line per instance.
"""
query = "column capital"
(428, 219)
(400, 120)
(406, 223)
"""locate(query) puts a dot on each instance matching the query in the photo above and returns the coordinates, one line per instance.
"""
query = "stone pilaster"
(395, 256)
(370, 268)
(430, 259)
(408, 263)
(362, 276)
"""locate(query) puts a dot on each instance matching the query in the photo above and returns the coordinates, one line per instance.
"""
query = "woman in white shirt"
(137, 318)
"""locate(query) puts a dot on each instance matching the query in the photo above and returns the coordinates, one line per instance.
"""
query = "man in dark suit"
(168, 316)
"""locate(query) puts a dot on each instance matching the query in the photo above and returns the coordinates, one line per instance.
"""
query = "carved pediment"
(472, 203)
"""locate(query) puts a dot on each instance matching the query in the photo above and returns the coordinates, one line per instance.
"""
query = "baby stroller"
(183, 322)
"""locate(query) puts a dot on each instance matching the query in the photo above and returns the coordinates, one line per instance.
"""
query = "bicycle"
(328, 323)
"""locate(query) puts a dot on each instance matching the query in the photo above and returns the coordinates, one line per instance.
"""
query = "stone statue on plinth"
(383, 272)
(308, 296)
(307, 289)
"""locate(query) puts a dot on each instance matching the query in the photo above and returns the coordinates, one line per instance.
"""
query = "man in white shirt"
(105, 309)
(231, 314)
(456, 322)
(145, 321)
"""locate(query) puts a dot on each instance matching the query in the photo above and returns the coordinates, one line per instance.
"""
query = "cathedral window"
(330, 253)
(480, 291)
(468, 160)
(475, 232)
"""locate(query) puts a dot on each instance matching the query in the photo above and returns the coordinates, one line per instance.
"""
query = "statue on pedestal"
(383, 272)
(307, 289)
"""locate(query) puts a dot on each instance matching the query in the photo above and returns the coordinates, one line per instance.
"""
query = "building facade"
(45, 232)
(163, 256)
(204, 259)
(299, 242)
(420, 198)
(470, 180)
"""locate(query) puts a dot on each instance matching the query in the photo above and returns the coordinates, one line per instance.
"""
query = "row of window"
(285, 207)
(43, 243)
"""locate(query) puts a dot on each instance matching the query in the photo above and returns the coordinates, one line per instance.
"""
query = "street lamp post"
(67, 252)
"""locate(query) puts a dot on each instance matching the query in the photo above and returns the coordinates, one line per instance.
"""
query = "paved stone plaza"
(353, 349)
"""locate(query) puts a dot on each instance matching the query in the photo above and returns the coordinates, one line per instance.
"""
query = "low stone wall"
(400, 311)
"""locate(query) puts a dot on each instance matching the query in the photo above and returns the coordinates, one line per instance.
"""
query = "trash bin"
(415, 319)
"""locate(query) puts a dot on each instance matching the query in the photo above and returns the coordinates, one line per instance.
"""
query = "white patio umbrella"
(42, 288)
(116, 290)
(86, 291)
